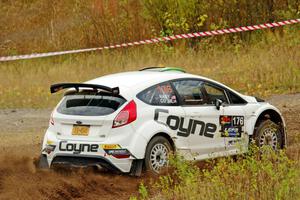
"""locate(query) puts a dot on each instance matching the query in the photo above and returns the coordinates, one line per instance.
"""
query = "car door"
(163, 107)
(201, 123)
(233, 123)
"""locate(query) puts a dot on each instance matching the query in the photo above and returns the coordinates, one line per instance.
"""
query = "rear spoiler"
(60, 86)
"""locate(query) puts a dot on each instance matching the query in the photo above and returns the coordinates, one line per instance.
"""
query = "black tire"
(269, 133)
(157, 145)
(42, 162)
(136, 167)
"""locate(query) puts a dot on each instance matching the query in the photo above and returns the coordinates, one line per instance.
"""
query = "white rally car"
(132, 120)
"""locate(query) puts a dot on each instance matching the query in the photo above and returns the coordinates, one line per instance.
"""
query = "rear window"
(90, 103)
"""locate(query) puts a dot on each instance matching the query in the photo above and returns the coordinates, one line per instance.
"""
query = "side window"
(213, 93)
(159, 95)
(190, 91)
(235, 99)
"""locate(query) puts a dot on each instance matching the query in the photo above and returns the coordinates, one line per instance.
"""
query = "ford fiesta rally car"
(131, 120)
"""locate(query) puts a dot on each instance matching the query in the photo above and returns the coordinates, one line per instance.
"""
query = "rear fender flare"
(144, 135)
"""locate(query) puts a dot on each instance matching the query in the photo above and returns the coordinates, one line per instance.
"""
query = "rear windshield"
(89, 103)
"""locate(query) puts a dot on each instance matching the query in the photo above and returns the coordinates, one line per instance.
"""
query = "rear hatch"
(86, 115)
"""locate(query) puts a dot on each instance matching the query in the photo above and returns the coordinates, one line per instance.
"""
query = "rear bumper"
(85, 153)
(83, 161)
(87, 159)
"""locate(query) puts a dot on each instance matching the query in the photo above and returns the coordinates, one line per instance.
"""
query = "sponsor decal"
(224, 120)
(167, 99)
(231, 132)
(49, 142)
(77, 148)
(193, 127)
(234, 142)
(110, 146)
(49, 148)
(117, 152)
(231, 126)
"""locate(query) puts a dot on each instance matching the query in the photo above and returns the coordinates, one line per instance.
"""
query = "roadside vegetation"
(268, 175)
(268, 67)
(29, 26)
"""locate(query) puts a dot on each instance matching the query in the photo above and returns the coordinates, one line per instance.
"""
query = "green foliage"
(143, 191)
(53, 25)
(176, 16)
(185, 171)
(267, 175)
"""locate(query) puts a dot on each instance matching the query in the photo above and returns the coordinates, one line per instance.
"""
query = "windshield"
(90, 103)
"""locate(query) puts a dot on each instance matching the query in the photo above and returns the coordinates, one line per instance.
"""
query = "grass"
(271, 175)
(268, 67)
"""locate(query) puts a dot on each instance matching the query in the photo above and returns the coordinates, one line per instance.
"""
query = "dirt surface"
(21, 132)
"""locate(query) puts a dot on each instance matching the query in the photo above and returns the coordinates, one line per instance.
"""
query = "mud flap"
(43, 163)
(136, 168)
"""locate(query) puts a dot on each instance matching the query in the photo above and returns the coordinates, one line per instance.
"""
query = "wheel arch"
(274, 116)
(167, 136)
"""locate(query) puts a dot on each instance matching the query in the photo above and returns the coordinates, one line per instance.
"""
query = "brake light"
(126, 115)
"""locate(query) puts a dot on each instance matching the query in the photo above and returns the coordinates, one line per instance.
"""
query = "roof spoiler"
(60, 86)
(163, 69)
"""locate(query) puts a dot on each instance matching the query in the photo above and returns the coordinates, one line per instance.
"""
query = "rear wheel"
(268, 134)
(157, 154)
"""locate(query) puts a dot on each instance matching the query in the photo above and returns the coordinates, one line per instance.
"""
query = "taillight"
(51, 119)
(126, 115)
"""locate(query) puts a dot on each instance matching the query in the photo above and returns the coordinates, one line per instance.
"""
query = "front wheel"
(268, 134)
(157, 153)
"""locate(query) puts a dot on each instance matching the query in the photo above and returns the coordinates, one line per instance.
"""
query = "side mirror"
(218, 103)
